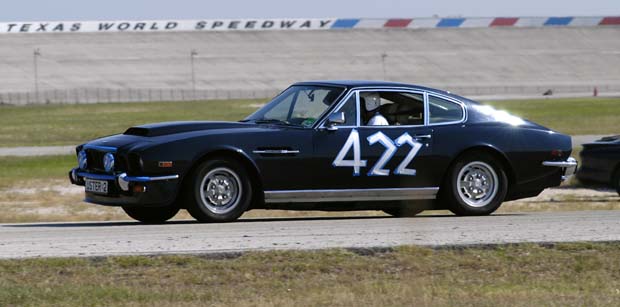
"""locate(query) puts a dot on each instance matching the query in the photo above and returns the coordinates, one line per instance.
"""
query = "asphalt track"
(188, 237)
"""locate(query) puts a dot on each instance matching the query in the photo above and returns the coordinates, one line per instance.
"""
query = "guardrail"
(104, 95)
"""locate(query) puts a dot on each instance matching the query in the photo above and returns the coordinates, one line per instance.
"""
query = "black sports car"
(600, 162)
(328, 145)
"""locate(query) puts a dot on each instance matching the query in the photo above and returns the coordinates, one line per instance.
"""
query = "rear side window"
(443, 111)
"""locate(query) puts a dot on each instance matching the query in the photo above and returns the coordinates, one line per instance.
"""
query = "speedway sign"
(166, 25)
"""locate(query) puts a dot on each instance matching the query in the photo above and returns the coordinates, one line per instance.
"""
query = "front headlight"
(82, 160)
(108, 162)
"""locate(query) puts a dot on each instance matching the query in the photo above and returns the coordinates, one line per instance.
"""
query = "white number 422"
(353, 142)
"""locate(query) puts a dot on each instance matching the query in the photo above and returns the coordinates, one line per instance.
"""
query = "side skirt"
(348, 195)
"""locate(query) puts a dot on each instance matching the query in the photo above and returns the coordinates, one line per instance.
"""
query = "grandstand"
(130, 66)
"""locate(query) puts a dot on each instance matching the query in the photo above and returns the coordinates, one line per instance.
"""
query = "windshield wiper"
(273, 121)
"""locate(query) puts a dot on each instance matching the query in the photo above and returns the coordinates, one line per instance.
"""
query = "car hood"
(145, 136)
(167, 128)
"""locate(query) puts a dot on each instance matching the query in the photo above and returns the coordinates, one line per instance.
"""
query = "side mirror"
(335, 119)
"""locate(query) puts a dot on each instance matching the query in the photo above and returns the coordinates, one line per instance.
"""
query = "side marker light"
(165, 164)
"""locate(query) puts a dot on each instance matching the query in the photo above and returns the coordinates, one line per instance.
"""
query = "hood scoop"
(159, 129)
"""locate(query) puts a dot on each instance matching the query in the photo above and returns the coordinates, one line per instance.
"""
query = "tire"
(152, 215)
(475, 185)
(219, 191)
(403, 212)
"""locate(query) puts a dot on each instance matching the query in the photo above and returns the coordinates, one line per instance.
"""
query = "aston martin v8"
(328, 145)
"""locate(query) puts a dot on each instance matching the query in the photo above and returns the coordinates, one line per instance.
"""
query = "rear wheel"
(220, 191)
(151, 215)
(476, 185)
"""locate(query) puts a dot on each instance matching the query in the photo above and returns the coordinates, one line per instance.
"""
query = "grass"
(517, 275)
(573, 116)
(46, 125)
(28, 168)
(18, 169)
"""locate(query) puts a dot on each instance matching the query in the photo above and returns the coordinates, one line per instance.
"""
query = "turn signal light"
(138, 188)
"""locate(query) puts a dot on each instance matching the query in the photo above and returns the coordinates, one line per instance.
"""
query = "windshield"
(299, 105)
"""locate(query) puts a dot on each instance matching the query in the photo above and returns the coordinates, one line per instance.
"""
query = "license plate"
(96, 186)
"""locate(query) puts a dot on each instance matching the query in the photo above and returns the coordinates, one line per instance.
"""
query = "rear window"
(443, 111)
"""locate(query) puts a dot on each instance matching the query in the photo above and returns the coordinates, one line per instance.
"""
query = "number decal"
(353, 143)
(402, 169)
(390, 150)
(357, 162)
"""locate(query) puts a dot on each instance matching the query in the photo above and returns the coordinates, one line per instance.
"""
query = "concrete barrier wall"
(129, 66)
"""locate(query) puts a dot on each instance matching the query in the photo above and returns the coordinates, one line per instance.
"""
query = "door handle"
(422, 136)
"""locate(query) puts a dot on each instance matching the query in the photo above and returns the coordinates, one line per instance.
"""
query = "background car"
(316, 147)
(600, 162)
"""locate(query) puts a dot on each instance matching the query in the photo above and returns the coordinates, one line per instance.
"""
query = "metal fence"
(537, 90)
(102, 95)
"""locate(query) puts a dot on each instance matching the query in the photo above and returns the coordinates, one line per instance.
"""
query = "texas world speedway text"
(166, 25)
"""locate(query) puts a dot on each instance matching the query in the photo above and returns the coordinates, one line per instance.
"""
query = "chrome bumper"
(569, 166)
(122, 179)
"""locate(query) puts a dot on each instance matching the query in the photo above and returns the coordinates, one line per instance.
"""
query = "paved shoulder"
(36, 151)
(124, 238)
(579, 140)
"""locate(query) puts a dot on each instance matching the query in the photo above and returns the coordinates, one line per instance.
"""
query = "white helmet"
(372, 101)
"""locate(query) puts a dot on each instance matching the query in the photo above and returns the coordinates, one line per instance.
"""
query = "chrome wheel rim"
(220, 190)
(477, 184)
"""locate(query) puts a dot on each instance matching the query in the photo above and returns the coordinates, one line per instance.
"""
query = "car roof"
(371, 83)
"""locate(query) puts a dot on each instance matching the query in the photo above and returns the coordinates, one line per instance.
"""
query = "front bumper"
(127, 190)
(569, 166)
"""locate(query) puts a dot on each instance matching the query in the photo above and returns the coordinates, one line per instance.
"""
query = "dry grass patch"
(566, 199)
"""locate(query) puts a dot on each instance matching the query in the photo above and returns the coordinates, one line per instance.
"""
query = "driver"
(372, 102)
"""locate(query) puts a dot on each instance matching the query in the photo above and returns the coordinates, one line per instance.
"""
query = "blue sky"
(31, 10)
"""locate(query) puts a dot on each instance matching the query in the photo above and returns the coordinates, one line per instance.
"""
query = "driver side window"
(349, 109)
(383, 108)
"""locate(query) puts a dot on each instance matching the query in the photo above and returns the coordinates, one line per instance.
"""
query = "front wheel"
(476, 185)
(220, 191)
(151, 215)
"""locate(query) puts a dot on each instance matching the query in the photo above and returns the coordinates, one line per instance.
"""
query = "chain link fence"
(103, 95)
